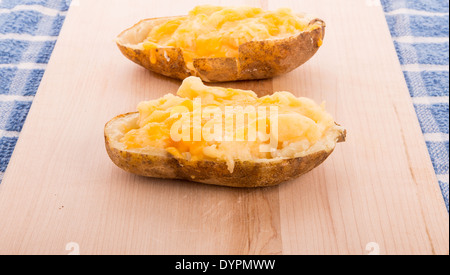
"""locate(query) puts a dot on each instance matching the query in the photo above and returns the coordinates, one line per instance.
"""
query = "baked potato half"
(140, 143)
(259, 173)
(172, 47)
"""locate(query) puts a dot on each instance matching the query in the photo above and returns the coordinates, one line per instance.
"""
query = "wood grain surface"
(378, 187)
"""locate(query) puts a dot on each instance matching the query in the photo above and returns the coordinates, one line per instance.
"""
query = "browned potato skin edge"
(245, 174)
(257, 59)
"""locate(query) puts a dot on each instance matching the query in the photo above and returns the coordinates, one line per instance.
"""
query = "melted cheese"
(301, 124)
(211, 31)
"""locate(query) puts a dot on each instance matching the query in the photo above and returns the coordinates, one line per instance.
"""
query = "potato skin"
(245, 174)
(256, 60)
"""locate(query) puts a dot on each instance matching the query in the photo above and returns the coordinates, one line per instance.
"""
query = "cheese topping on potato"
(184, 124)
(212, 31)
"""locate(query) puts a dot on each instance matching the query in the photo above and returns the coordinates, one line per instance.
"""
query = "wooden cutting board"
(376, 193)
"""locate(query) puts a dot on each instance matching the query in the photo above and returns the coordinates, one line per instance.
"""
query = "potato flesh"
(301, 124)
(211, 31)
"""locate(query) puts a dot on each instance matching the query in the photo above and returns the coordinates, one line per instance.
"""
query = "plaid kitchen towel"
(28, 33)
(420, 31)
(419, 28)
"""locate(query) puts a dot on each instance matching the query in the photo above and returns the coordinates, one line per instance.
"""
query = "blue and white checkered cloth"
(28, 32)
(419, 28)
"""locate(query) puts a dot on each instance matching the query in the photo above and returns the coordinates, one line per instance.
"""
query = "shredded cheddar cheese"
(212, 31)
(300, 124)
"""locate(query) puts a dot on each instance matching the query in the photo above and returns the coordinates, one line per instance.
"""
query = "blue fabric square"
(6, 77)
(439, 153)
(436, 83)
(440, 114)
(6, 108)
(427, 83)
(18, 115)
(11, 51)
(56, 25)
(444, 189)
(44, 51)
(7, 145)
(20, 22)
(32, 82)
